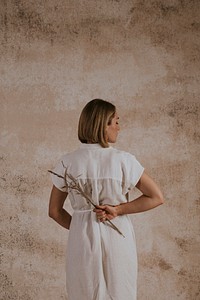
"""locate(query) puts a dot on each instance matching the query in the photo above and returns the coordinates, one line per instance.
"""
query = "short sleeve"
(58, 181)
(132, 171)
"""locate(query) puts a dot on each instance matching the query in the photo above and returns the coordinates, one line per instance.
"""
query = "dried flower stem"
(72, 183)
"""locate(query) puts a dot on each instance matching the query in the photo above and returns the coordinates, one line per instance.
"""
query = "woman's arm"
(56, 210)
(152, 197)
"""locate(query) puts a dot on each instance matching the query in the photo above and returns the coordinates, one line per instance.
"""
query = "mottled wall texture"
(144, 56)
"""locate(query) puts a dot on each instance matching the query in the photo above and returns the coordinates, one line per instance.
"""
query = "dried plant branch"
(72, 183)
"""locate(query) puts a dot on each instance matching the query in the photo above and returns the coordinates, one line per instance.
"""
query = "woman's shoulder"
(123, 155)
(111, 151)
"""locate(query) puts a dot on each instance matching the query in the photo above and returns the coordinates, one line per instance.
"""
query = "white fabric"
(101, 264)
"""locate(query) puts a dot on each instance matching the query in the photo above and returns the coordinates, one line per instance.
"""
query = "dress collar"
(92, 146)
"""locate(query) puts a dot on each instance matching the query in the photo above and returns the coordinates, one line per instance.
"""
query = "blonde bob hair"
(94, 118)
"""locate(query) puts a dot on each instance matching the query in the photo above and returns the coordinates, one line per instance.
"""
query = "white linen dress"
(101, 263)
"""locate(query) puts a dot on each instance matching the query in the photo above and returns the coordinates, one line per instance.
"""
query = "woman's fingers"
(100, 213)
(105, 212)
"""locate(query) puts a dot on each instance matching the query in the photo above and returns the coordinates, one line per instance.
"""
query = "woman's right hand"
(105, 212)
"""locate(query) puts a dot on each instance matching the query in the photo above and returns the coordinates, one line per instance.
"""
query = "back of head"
(94, 118)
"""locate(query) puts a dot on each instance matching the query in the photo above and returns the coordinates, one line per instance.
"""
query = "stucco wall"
(54, 57)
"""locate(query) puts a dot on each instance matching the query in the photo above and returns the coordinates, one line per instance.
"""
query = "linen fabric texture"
(101, 264)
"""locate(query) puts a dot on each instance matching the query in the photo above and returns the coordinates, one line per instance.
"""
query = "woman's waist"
(83, 210)
(81, 207)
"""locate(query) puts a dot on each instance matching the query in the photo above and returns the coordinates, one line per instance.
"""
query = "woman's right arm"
(151, 198)
(56, 210)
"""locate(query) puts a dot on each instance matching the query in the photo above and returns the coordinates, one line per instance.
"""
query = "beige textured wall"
(55, 56)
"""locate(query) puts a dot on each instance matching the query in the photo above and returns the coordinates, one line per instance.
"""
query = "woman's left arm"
(151, 197)
(56, 210)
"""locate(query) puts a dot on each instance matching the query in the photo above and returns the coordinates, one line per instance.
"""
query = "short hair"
(94, 118)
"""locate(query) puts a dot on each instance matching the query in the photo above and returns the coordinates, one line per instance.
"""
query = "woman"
(101, 263)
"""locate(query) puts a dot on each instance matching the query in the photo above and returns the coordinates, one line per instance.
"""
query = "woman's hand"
(106, 212)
